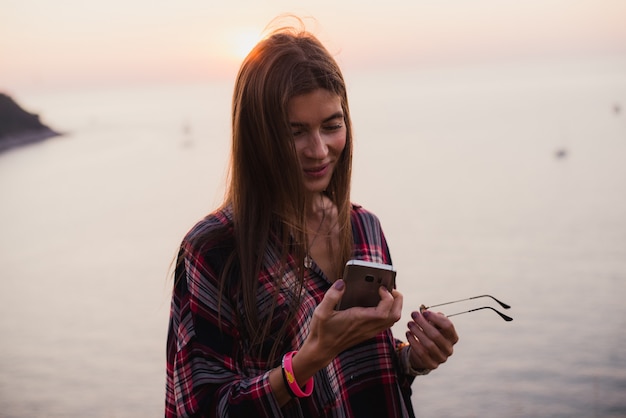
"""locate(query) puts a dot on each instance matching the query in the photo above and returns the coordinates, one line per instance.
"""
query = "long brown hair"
(266, 187)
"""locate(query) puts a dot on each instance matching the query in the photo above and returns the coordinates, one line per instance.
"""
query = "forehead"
(315, 106)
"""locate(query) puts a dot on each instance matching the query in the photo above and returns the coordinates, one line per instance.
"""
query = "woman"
(253, 330)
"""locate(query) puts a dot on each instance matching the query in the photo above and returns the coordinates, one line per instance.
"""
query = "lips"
(318, 171)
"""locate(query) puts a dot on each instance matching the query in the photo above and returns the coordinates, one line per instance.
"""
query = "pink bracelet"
(290, 379)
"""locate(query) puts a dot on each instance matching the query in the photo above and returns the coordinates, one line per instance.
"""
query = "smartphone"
(363, 279)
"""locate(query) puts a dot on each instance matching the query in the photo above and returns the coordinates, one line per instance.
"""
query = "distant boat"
(560, 153)
(187, 141)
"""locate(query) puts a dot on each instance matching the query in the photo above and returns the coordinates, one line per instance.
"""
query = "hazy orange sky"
(66, 43)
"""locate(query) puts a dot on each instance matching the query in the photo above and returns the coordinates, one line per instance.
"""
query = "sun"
(243, 40)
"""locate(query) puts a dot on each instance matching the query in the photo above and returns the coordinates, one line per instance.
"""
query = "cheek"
(338, 143)
(300, 147)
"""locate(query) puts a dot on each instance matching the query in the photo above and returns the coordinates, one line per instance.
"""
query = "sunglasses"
(504, 305)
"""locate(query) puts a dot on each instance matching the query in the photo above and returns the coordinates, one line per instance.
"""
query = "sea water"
(461, 166)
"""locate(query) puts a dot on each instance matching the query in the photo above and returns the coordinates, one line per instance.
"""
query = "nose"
(317, 147)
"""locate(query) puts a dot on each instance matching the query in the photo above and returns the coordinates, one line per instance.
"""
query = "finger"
(443, 324)
(396, 309)
(433, 333)
(386, 299)
(381, 310)
(390, 305)
(427, 346)
(419, 356)
(331, 298)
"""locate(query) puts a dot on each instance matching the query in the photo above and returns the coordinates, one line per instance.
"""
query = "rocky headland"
(19, 127)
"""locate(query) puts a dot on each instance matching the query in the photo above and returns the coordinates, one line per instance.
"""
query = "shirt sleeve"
(205, 378)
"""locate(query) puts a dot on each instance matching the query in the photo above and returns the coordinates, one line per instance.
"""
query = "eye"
(334, 127)
(298, 129)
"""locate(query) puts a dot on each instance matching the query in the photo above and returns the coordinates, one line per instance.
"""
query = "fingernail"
(425, 313)
(415, 315)
(339, 284)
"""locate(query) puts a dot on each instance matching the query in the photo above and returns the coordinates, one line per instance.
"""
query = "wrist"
(310, 359)
(295, 388)
(404, 356)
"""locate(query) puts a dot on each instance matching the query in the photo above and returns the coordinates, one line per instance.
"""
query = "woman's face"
(319, 131)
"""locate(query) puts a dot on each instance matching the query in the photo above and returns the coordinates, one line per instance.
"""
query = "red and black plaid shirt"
(210, 374)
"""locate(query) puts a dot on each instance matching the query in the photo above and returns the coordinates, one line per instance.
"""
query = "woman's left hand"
(431, 336)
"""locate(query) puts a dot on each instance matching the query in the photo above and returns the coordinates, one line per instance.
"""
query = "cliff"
(18, 127)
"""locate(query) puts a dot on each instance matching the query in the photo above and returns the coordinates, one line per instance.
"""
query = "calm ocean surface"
(460, 166)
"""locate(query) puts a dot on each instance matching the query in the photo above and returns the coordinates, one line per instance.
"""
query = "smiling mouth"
(317, 171)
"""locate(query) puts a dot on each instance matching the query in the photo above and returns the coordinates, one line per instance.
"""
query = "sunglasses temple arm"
(447, 303)
(503, 316)
(504, 305)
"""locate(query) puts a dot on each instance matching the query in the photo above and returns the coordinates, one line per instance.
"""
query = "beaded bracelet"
(290, 379)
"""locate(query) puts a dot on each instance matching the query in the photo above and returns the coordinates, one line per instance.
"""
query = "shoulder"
(369, 239)
(362, 217)
(218, 222)
(212, 237)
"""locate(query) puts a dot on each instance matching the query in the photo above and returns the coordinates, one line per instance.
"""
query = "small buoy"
(187, 141)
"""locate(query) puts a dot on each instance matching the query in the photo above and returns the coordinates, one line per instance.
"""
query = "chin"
(316, 187)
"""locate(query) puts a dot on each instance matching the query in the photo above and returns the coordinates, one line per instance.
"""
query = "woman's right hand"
(332, 332)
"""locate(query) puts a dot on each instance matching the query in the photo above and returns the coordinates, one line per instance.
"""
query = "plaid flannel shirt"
(210, 374)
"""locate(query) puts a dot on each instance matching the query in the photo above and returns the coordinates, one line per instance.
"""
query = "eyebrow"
(338, 115)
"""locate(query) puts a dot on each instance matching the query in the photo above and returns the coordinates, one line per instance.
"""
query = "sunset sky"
(67, 43)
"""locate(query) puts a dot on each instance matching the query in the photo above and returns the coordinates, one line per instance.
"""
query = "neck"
(316, 209)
